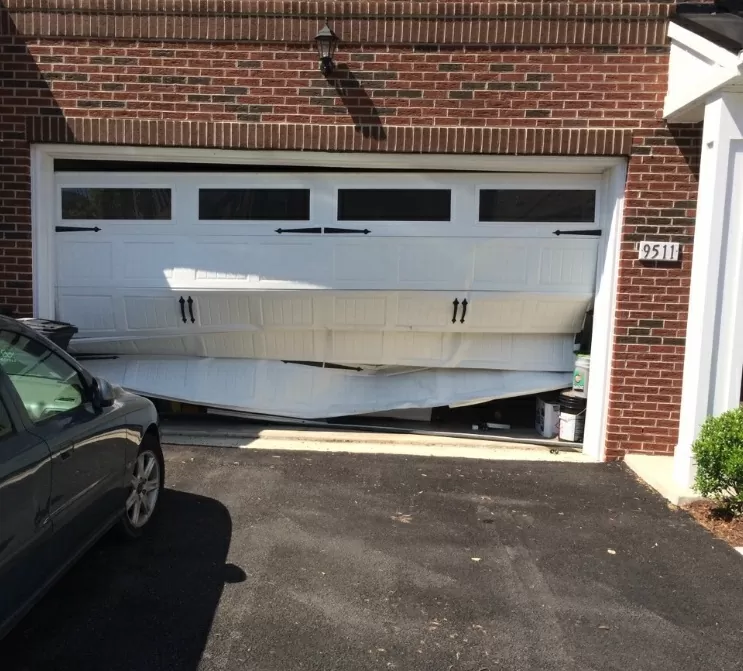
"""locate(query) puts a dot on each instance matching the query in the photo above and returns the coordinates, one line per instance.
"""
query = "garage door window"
(394, 205)
(537, 205)
(254, 204)
(130, 204)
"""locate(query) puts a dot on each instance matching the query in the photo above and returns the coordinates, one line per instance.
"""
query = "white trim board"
(613, 170)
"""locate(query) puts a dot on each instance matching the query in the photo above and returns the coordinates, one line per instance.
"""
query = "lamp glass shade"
(326, 41)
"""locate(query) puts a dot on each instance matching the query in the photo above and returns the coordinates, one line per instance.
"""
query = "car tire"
(144, 489)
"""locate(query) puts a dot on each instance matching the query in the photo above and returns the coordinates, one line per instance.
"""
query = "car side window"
(46, 383)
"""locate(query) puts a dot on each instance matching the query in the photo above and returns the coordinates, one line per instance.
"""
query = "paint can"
(580, 374)
(572, 416)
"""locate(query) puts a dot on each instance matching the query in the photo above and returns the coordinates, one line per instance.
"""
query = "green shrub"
(719, 456)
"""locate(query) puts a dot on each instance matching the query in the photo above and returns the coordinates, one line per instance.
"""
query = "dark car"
(77, 456)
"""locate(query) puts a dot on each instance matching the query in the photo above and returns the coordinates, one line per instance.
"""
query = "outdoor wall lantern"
(326, 41)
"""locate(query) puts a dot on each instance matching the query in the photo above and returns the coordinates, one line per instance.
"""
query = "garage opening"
(321, 294)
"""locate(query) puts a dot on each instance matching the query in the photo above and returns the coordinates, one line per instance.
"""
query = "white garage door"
(435, 269)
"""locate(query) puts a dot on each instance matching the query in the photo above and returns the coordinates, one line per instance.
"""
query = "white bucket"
(572, 426)
(580, 374)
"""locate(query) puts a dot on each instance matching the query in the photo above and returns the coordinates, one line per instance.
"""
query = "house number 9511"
(659, 251)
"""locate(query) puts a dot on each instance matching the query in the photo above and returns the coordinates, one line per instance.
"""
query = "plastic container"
(581, 373)
(547, 422)
(572, 416)
(60, 333)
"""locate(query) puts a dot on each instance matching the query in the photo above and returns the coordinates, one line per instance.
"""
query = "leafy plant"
(719, 455)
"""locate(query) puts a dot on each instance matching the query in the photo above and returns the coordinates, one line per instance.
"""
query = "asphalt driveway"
(266, 561)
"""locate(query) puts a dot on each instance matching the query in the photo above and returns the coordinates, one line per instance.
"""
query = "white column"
(713, 359)
(43, 213)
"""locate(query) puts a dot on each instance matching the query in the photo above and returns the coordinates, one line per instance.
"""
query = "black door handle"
(182, 301)
(464, 311)
(456, 307)
(190, 309)
(66, 454)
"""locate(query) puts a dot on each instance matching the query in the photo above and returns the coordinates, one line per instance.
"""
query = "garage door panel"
(356, 347)
(417, 349)
(362, 310)
(440, 263)
(91, 314)
(290, 310)
(553, 353)
(524, 313)
(285, 264)
(395, 264)
(440, 350)
(544, 352)
(426, 309)
(568, 268)
(293, 345)
(223, 309)
(220, 261)
(148, 260)
(82, 262)
(501, 264)
(152, 313)
(535, 265)
(365, 262)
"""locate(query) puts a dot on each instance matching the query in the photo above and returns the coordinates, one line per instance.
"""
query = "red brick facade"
(558, 77)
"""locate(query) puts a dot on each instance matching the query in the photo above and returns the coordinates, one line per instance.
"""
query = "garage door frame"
(612, 169)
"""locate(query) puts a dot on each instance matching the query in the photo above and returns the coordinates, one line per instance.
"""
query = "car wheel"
(145, 486)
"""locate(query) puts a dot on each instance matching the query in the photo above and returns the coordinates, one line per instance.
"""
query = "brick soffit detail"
(505, 23)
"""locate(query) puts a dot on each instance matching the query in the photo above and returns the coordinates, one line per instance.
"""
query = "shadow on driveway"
(147, 604)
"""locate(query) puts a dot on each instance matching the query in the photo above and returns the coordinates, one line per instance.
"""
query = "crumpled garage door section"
(307, 392)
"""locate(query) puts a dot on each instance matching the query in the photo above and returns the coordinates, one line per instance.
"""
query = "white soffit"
(697, 69)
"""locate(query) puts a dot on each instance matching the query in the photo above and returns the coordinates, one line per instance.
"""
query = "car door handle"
(66, 454)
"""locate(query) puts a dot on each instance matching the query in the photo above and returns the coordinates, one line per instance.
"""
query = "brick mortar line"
(447, 46)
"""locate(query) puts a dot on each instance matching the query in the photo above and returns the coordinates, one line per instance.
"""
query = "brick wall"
(653, 299)
(567, 78)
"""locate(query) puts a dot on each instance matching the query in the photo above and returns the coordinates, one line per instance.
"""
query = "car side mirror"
(103, 393)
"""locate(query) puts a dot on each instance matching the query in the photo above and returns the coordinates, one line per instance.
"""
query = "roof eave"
(686, 98)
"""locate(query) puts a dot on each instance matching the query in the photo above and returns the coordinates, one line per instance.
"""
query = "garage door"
(490, 271)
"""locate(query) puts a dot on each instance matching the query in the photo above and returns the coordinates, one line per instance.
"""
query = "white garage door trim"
(613, 171)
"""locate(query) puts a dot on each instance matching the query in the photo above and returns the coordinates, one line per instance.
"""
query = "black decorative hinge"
(75, 229)
(299, 230)
(596, 232)
(365, 231)
(320, 364)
